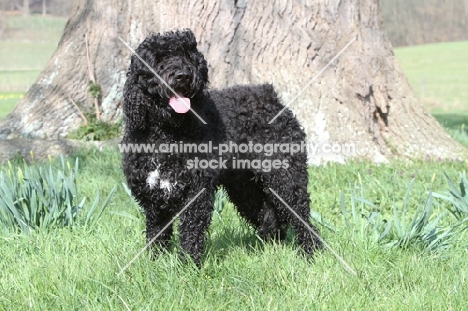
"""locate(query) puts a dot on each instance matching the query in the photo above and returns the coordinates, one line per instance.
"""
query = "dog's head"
(175, 71)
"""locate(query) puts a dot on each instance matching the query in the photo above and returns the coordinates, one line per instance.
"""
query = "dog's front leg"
(194, 225)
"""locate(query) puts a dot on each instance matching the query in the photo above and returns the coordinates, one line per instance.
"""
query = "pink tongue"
(180, 105)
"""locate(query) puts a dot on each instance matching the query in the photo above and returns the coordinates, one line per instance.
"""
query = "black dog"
(248, 156)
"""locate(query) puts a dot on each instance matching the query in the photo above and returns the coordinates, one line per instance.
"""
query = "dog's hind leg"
(295, 195)
(251, 202)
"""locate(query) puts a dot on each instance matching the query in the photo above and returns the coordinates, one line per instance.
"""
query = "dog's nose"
(182, 76)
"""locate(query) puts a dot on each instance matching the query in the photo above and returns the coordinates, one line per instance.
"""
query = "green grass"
(77, 269)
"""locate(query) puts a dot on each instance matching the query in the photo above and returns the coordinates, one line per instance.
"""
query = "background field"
(26, 46)
(8, 101)
(77, 268)
(438, 73)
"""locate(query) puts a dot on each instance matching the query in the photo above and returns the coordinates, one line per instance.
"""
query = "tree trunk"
(25, 8)
(363, 99)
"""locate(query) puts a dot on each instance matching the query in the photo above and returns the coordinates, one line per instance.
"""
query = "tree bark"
(363, 99)
(44, 8)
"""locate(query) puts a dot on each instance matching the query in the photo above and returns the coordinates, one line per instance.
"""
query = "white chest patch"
(166, 185)
(154, 180)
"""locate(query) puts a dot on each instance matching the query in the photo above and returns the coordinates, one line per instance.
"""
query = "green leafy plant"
(365, 223)
(458, 197)
(96, 130)
(422, 229)
(34, 197)
(94, 89)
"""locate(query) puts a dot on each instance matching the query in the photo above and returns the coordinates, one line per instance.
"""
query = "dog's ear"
(135, 107)
(203, 68)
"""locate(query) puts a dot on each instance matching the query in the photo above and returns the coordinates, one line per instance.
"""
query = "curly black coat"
(163, 183)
